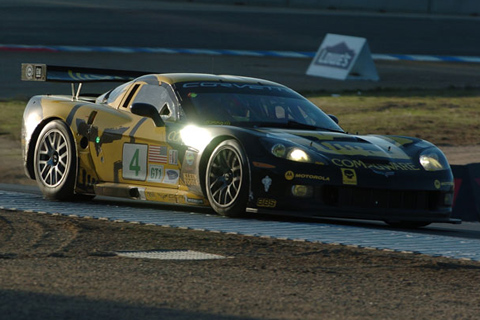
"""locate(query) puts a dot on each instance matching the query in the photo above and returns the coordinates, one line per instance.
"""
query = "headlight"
(291, 153)
(433, 160)
(195, 137)
(279, 150)
(298, 155)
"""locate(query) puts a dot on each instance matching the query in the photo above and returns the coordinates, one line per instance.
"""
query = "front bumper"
(323, 191)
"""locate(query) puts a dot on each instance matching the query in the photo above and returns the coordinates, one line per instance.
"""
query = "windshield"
(247, 104)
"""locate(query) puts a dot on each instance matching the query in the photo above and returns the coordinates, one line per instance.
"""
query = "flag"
(157, 154)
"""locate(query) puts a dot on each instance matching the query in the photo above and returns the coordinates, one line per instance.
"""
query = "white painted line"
(169, 255)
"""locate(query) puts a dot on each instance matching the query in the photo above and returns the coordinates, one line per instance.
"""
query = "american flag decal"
(158, 154)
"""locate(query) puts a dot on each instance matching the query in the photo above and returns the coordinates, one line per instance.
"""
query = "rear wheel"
(227, 179)
(55, 161)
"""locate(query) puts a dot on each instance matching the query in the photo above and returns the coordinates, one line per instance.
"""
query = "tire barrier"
(467, 192)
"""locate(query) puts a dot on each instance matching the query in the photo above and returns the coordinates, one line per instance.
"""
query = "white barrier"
(343, 58)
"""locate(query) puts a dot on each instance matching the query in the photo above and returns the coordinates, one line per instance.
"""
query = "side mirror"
(147, 110)
(334, 118)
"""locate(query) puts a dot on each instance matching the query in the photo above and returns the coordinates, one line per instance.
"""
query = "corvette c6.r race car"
(240, 145)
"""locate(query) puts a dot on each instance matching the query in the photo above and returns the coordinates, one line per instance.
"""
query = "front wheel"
(227, 179)
(55, 161)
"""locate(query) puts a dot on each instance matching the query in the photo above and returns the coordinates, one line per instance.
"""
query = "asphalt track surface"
(149, 23)
(152, 23)
(160, 24)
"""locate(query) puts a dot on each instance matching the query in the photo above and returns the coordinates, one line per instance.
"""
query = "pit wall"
(439, 7)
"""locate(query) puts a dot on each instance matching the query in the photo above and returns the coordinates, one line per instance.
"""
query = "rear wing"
(42, 72)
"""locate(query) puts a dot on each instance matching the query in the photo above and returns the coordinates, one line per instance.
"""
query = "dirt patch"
(58, 267)
(64, 268)
(462, 154)
(11, 163)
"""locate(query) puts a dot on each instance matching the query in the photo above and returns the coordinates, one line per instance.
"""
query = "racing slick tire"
(227, 179)
(55, 161)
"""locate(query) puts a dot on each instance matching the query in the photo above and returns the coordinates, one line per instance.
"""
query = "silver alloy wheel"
(225, 177)
(53, 156)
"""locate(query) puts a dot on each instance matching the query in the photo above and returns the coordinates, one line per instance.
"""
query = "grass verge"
(448, 117)
(11, 119)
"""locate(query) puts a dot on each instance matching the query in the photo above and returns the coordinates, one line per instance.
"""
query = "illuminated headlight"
(291, 153)
(298, 155)
(433, 160)
(195, 137)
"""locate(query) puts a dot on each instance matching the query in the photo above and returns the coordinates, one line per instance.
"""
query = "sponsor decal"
(218, 123)
(289, 175)
(316, 136)
(161, 197)
(171, 176)
(191, 179)
(356, 150)
(157, 154)
(311, 176)
(193, 200)
(173, 157)
(33, 72)
(190, 158)
(390, 166)
(29, 72)
(174, 136)
(208, 84)
(134, 161)
(155, 173)
(448, 183)
(266, 203)
(338, 56)
(349, 176)
(39, 72)
(267, 182)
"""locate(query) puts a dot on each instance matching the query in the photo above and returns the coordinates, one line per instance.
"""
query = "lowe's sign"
(343, 57)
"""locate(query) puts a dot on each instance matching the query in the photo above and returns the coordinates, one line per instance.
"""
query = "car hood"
(341, 145)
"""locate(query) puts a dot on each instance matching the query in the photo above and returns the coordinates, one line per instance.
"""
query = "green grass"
(449, 117)
(444, 117)
(11, 118)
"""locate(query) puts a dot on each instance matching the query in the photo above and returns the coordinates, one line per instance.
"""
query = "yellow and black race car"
(240, 145)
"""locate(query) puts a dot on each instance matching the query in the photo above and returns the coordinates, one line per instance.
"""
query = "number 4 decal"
(134, 161)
